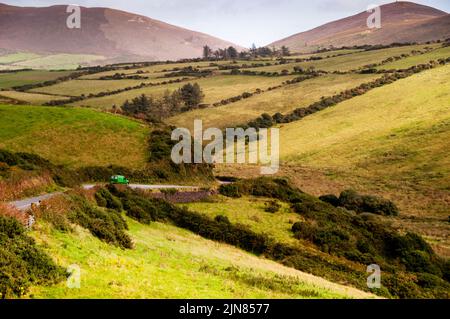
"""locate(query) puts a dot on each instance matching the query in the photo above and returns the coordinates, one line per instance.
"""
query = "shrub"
(22, 264)
(230, 190)
(272, 207)
(108, 226)
(364, 203)
(106, 199)
(330, 199)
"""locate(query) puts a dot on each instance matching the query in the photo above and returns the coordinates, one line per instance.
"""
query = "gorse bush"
(22, 264)
(351, 200)
(107, 225)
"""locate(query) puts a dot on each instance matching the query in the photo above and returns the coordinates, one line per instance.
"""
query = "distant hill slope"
(401, 22)
(105, 32)
(74, 137)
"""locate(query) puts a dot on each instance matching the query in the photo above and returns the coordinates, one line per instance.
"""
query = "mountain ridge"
(104, 31)
(401, 22)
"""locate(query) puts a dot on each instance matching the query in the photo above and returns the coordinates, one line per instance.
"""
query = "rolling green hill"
(169, 262)
(76, 137)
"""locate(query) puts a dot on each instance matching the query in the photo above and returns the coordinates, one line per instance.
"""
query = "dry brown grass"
(21, 184)
(9, 211)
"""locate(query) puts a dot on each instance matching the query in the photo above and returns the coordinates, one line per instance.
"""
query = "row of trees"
(254, 52)
(184, 99)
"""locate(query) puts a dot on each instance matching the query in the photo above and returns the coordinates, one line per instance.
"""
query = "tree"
(285, 51)
(207, 52)
(232, 53)
(192, 95)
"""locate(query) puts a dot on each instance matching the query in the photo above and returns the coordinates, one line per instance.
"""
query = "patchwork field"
(76, 137)
(8, 80)
(30, 98)
(441, 53)
(215, 89)
(347, 62)
(282, 100)
(26, 60)
(86, 87)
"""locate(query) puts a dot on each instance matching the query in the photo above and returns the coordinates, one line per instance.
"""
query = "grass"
(79, 87)
(392, 141)
(408, 132)
(168, 262)
(281, 100)
(346, 62)
(17, 57)
(58, 61)
(75, 137)
(215, 89)
(249, 211)
(8, 80)
(435, 55)
(32, 98)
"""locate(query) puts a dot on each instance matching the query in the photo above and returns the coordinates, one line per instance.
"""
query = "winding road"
(25, 204)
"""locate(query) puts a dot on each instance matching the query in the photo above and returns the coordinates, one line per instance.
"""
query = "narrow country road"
(25, 204)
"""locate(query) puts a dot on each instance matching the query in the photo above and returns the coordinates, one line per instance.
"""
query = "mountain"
(400, 22)
(106, 32)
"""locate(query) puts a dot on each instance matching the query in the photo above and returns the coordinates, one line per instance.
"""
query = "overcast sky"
(240, 21)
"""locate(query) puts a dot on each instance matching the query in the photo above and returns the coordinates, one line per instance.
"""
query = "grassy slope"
(17, 57)
(59, 61)
(79, 87)
(215, 89)
(418, 59)
(347, 62)
(73, 136)
(32, 98)
(172, 263)
(249, 211)
(8, 80)
(393, 141)
(406, 134)
(281, 100)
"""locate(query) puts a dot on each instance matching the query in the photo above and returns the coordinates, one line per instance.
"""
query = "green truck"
(118, 179)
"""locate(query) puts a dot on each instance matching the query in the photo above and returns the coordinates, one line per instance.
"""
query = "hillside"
(169, 262)
(74, 137)
(105, 32)
(392, 141)
(401, 22)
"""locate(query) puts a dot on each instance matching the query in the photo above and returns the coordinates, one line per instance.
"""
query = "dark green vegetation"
(22, 264)
(187, 98)
(351, 200)
(356, 235)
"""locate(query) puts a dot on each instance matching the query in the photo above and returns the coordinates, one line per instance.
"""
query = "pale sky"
(242, 22)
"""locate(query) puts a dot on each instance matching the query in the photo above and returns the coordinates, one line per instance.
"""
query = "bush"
(108, 226)
(22, 264)
(330, 199)
(106, 199)
(272, 207)
(230, 190)
(351, 200)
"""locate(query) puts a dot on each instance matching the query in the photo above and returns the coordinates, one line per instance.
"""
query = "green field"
(17, 57)
(8, 80)
(249, 211)
(168, 262)
(215, 89)
(281, 100)
(86, 87)
(71, 136)
(61, 61)
(31, 98)
(346, 62)
(435, 55)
